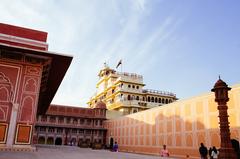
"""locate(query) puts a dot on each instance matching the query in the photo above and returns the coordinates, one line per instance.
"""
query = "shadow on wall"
(146, 132)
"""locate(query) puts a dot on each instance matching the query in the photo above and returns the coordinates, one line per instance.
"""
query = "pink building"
(28, 82)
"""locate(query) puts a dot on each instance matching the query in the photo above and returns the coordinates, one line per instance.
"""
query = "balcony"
(162, 93)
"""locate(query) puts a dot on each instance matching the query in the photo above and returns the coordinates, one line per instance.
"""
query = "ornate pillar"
(221, 97)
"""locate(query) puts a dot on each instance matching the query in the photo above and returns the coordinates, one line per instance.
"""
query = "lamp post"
(221, 97)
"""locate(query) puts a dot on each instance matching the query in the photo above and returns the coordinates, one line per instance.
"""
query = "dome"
(100, 105)
(220, 84)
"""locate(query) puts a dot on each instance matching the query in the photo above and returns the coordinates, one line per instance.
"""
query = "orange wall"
(181, 125)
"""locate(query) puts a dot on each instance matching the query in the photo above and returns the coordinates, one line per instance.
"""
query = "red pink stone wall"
(181, 125)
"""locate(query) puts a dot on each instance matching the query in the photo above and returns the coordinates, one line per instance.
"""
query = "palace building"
(65, 125)
(29, 78)
(124, 92)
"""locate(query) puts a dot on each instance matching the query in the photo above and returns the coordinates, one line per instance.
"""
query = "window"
(96, 122)
(88, 122)
(74, 131)
(81, 121)
(60, 119)
(75, 121)
(137, 87)
(166, 101)
(148, 99)
(143, 98)
(129, 86)
(52, 119)
(159, 100)
(42, 129)
(163, 101)
(44, 118)
(133, 86)
(59, 130)
(129, 97)
(68, 120)
(156, 100)
(81, 131)
(51, 130)
(152, 99)
(137, 98)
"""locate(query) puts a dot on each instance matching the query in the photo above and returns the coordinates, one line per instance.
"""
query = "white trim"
(23, 40)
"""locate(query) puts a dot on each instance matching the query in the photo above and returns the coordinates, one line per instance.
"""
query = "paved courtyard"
(72, 153)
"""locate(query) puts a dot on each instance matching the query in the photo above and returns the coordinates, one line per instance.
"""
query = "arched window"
(4, 94)
(27, 109)
(163, 101)
(159, 100)
(137, 87)
(156, 100)
(166, 101)
(133, 86)
(129, 97)
(41, 140)
(148, 99)
(152, 99)
(143, 98)
(137, 98)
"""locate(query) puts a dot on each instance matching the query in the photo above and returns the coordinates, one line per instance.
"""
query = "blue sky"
(179, 46)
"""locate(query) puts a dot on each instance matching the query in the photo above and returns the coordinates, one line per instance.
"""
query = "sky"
(179, 46)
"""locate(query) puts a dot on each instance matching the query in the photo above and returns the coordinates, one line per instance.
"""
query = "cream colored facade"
(124, 92)
(181, 125)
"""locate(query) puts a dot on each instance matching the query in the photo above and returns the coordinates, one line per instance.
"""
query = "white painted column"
(12, 125)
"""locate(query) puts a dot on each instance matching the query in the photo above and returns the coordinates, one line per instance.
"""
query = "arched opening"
(50, 141)
(58, 141)
(152, 99)
(166, 101)
(135, 111)
(163, 101)
(143, 98)
(111, 143)
(129, 97)
(156, 100)
(137, 98)
(41, 140)
(73, 141)
(148, 99)
(159, 100)
(235, 145)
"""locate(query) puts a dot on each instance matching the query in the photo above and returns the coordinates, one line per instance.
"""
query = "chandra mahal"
(124, 92)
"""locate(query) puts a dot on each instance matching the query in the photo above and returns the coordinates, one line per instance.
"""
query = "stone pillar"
(12, 125)
(221, 97)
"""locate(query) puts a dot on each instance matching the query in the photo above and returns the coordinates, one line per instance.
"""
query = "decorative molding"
(25, 129)
(3, 132)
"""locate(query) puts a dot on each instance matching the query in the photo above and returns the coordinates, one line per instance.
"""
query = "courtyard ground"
(64, 152)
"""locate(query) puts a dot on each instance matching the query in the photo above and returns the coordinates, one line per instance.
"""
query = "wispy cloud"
(145, 34)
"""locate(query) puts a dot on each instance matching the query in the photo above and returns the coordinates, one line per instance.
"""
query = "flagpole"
(121, 67)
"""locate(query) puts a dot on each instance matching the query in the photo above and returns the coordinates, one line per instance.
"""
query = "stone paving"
(72, 153)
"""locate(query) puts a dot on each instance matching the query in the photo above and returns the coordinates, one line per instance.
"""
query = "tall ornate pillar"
(221, 97)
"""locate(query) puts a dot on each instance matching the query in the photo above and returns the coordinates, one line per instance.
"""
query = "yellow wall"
(181, 125)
